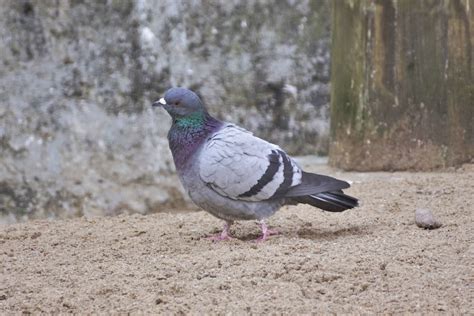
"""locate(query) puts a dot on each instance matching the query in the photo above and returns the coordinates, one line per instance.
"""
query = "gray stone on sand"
(424, 218)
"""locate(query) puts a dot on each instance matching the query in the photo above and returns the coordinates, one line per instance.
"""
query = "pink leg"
(224, 235)
(266, 232)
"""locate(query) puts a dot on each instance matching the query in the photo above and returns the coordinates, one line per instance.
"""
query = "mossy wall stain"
(402, 93)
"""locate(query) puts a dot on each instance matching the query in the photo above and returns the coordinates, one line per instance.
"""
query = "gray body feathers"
(237, 176)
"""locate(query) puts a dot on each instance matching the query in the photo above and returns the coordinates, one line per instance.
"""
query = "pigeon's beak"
(160, 102)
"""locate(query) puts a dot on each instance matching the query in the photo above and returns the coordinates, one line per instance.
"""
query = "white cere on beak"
(162, 101)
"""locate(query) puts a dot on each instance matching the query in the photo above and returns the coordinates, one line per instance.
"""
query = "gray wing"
(238, 165)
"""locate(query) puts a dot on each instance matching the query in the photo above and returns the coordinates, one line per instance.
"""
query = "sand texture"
(373, 259)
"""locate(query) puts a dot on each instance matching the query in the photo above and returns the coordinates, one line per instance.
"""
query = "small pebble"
(425, 219)
(35, 235)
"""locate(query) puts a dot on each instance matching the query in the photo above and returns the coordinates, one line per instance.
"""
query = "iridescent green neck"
(187, 134)
(193, 120)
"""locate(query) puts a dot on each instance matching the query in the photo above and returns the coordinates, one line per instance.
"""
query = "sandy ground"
(373, 259)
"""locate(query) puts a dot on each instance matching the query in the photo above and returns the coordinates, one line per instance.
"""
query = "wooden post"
(402, 80)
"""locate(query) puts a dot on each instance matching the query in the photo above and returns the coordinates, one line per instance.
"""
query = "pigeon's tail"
(333, 201)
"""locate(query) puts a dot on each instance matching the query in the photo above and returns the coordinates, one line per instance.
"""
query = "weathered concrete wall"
(402, 84)
(77, 136)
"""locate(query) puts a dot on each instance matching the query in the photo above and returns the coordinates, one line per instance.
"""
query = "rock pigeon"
(235, 175)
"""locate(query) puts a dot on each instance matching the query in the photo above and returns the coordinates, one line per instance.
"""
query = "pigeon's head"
(181, 102)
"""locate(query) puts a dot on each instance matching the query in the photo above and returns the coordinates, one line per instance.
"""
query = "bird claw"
(224, 235)
(266, 232)
(220, 237)
(269, 233)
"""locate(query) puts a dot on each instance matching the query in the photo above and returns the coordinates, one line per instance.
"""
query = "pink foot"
(219, 237)
(266, 232)
(224, 235)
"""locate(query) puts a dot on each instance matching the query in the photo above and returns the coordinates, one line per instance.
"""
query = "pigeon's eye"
(176, 103)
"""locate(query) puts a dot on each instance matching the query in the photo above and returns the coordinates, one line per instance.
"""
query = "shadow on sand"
(312, 233)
